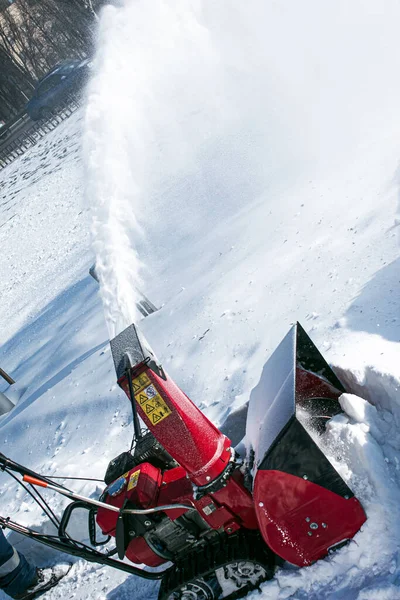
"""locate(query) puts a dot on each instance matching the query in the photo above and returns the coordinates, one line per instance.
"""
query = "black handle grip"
(91, 522)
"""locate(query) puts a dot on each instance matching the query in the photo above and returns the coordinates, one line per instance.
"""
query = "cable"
(77, 478)
(43, 505)
(45, 508)
(6, 463)
(136, 423)
(48, 506)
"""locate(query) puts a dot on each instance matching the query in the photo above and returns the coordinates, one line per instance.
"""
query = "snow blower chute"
(214, 523)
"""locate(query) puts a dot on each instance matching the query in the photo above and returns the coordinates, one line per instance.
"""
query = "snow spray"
(194, 100)
(171, 106)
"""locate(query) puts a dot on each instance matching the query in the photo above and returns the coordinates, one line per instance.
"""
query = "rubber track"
(221, 551)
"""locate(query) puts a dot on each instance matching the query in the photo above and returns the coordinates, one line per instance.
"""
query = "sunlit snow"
(239, 162)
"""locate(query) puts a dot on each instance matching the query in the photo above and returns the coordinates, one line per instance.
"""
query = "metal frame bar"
(7, 377)
(67, 544)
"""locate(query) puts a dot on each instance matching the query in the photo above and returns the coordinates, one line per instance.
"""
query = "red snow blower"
(214, 523)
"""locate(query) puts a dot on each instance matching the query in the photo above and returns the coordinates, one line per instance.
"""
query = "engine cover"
(155, 538)
(139, 487)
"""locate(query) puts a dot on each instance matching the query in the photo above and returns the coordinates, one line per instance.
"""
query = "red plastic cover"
(300, 520)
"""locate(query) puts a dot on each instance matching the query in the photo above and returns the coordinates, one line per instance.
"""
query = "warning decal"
(140, 382)
(153, 405)
(142, 399)
(133, 480)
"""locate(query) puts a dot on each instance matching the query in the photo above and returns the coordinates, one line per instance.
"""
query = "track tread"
(221, 551)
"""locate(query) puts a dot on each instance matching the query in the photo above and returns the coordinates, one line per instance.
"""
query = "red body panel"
(139, 552)
(141, 489)
(300, 520)
(238, 501)
(194, 442)
(309, 385)
(175, 487)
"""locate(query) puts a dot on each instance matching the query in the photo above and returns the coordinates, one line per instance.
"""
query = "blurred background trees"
(35, 35)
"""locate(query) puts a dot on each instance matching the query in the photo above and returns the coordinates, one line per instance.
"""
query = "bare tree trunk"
(34, 35)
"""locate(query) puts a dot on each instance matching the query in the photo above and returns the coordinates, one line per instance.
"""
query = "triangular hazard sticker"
(136, 387)
(149, 409)
(155, 419)
(142, 398)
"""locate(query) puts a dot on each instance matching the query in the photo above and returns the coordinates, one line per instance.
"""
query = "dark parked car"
(65, 79)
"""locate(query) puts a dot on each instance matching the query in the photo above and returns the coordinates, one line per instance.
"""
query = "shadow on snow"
(377, 308)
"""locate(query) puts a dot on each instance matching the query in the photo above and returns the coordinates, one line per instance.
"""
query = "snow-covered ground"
(245, 164)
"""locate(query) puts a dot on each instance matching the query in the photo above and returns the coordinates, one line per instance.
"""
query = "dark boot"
(45, 580)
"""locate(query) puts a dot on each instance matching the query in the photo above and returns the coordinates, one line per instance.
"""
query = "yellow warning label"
(133, 480)
(141, 398)
(153, 405)
(140, 382)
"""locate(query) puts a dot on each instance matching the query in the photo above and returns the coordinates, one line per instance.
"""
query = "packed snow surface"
(240, 164)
